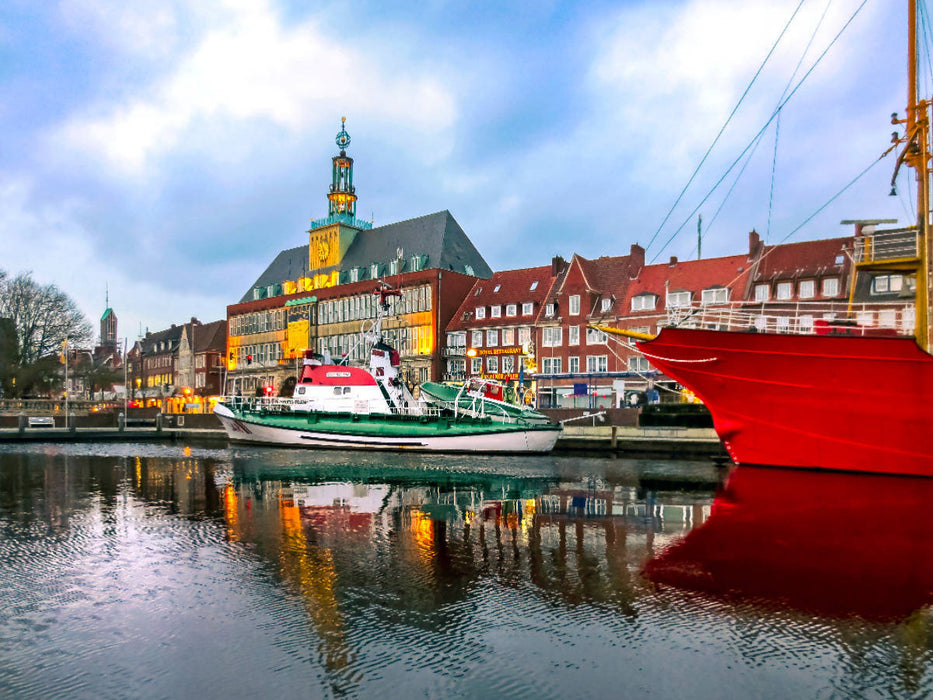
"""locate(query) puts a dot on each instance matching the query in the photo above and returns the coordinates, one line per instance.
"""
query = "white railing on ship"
(281, 404)
(794, 317)
(899, 244)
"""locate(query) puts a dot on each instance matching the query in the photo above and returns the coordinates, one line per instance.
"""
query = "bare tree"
(44, 316)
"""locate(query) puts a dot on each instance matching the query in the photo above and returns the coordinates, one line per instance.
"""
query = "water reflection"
(242, 571)
(826, 543)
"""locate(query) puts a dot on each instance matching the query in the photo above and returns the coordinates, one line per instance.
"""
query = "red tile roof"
(692, 276)
(514, 288)
(804, 259)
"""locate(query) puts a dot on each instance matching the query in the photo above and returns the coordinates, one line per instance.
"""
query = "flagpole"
(65, 344)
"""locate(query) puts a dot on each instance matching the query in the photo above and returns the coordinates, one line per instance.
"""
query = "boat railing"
(893, 244)
(799, 318)
(281, 404)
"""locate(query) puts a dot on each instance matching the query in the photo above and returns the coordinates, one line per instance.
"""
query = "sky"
(164, 151)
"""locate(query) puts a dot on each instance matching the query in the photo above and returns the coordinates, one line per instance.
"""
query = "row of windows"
(594, 363)
(648, 302)
(258, 322)
(511, 310)
(158, 379)
(507, 364)
(363, 306)
(806, 289)
(414, 340)
(553, 336)
(494, 337)
(155, 362)
(247, 355)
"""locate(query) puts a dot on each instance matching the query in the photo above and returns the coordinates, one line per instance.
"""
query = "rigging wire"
(777, 133)
(723, 128)
(762, 130)
(926, 33)
(790, 81)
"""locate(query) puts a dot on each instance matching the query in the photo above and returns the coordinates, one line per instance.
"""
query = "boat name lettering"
(338, 374)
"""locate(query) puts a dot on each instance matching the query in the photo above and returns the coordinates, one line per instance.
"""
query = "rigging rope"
(777, 133)
(762, 130)
(729, 119)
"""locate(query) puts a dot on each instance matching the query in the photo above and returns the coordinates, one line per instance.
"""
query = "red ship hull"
(821, 401)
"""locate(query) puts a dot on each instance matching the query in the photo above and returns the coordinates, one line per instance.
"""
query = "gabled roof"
(804, 259)
(514, 288)
(691, 275)
(436, 236)
(171, 336)
(211, 336)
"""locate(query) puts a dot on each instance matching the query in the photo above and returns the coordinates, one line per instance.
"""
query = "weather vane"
(343, 138)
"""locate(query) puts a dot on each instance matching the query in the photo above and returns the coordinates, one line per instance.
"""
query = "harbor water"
(163, 571)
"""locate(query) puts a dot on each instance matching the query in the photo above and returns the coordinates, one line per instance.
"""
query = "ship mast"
(917, 156)
(908, 251)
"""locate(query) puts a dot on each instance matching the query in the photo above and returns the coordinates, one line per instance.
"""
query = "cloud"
(248, 66)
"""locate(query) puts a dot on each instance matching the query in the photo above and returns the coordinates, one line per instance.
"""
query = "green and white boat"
(481, 398)
(340, 406)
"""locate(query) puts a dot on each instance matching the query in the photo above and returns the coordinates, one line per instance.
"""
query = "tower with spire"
(108, 327)
(330, 237)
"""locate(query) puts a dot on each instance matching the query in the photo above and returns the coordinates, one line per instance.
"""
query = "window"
(573, 365)
(511, 309)
(783, 324)
(762, 292)
(479, 290)
(595, 337)
(495, 312)
(717, 295)
(807, 289)
(508, 336)
(551, 336)
(524, 335)
(573, 306)
(638, 363)
(886, 284)
(676, 299)
(784, 290)
(551, 365)
(393, 267)
(480, 312)
(550, 310)
(492, 338)
(476, 365)
(354, 274)
(492, 364)
(644, 302)
(597, 363)
(477, 339)
(527, 308)
(605, 305)
(573, 335)
(839, 258)
(496, 288)
(508, 364)
(830, 286)
(534, 286)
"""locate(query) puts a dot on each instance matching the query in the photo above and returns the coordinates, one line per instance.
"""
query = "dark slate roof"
(211, 336)
(171, 336)
(437, 236)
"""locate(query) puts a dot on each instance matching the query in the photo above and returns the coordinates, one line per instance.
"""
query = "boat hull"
(824, 402)
(388, 433)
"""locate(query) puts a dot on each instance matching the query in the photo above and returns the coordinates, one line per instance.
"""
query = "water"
(165, 572)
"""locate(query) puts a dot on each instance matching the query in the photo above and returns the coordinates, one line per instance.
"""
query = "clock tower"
(331, 237)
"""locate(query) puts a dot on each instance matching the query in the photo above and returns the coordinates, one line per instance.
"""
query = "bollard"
(158, 422)
(72, 423)
(613, 441)
(121, 421)
(22, 423)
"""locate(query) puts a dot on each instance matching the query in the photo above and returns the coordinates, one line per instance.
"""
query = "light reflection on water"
(164, 571)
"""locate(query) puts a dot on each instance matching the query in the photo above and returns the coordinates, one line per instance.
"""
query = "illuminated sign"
(513, 350)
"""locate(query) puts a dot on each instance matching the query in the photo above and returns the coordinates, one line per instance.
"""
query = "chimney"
(754, 244)
(636, 259)
(673, 260)
(557, 265)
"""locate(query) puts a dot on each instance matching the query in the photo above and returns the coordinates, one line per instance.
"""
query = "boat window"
(301, 390)
(337, 391)
(346, 390)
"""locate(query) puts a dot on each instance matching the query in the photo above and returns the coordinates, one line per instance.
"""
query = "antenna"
(699, 236)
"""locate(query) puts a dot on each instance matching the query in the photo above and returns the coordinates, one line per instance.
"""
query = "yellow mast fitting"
(623, 332)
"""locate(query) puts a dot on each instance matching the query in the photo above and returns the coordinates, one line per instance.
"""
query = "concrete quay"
(661, 442)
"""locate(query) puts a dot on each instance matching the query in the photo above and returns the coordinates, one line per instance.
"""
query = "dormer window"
(605, 304)
(479, 290)
(830, 286)
(807, 289)
(511, 309)
(716, 295)
(354, 274)
(495, 311)
(550, 310)
(644, 302)
(393, 267)
(374, 271)
(677, 299)
(480, 312)
(528, 308)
